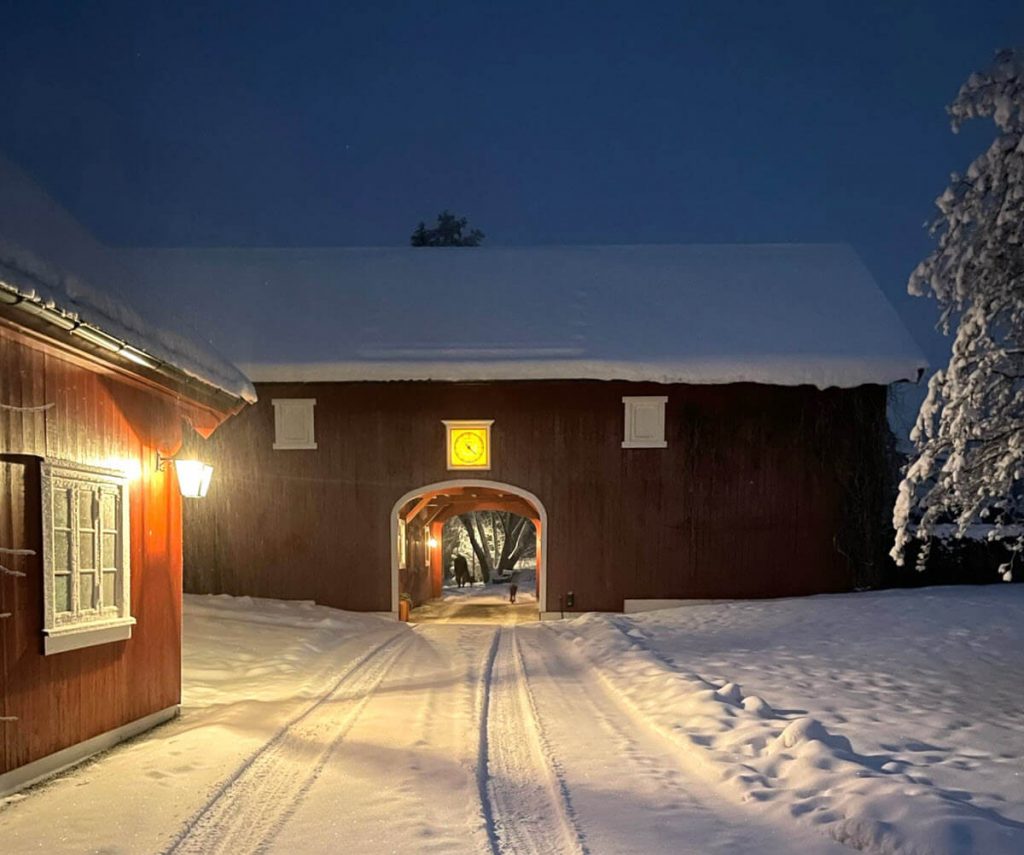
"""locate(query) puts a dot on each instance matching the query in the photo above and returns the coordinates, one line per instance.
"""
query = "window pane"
(61, 551)
(109, 550)
(61, 508)
(110, 590)
(86, 550)
(86, 591)
(108, 510)
(62, 593)
(85, 508)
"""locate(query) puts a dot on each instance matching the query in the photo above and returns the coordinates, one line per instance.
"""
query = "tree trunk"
(516, 529)
(477, 540)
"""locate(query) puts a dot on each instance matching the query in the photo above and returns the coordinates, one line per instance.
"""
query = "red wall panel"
(99, 418)
(749, 499)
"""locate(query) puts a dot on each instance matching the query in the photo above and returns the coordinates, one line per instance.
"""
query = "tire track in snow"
(484, 705)
(248, 810)
(633, 792)
(525, 800)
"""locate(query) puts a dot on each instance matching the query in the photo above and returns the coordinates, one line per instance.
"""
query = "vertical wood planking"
(745, 502)
(99, 419)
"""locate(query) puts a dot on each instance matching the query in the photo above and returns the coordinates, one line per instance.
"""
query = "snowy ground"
(482, 593)
(891, 721)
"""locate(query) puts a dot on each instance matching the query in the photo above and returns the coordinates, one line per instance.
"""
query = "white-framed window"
(645, 422)
(293, 423)
(86, 572)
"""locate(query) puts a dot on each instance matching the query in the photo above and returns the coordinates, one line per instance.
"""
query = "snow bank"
(268, 651)
(47, 257)
(881, 784)
(781, 314)
(250, 667)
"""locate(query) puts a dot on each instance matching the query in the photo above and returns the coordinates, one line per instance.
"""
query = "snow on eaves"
(46, 257)
(822, 372)
(787, 314)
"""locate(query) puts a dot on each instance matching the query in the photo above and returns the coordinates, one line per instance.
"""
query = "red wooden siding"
(101, 418)
(748, 500)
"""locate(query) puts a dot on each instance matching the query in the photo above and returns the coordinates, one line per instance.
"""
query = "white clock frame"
(467, 424)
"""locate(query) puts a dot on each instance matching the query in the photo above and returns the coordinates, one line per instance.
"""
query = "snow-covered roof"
(48, 259)
(779, 314)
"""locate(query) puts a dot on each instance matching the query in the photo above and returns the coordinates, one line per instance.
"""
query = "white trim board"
(44, 767)
(630, 607)
(77, 636)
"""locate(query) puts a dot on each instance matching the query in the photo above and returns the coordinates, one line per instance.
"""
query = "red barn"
(91, 396)
(678, 421)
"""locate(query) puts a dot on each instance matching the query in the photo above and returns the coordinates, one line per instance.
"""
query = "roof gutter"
(75, 328)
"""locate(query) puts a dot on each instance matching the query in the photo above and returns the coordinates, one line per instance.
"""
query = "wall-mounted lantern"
(193, 475)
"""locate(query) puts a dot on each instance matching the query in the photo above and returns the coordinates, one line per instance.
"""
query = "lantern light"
(432, 543)
(193, 476)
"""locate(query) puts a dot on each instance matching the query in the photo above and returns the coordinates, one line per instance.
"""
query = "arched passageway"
(418, 559)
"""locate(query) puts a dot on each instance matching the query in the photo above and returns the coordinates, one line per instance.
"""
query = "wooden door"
(19, 529)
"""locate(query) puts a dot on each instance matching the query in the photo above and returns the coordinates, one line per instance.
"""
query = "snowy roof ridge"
(781, 314)
(48, 259)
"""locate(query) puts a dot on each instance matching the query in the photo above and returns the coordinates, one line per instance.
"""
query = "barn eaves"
(67, 329)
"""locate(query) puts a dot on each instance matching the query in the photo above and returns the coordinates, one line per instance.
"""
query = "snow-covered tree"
(499, 540)
(449, 231)
(969, 435)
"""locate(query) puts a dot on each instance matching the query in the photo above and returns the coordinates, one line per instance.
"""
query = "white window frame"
(302, 406)
(633, 406)
(100, 622)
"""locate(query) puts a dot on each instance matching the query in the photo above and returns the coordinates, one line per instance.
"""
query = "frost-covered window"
(645, 422)
(293, 423)
(86, 596)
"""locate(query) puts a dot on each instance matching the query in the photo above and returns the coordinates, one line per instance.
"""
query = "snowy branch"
(969, 436)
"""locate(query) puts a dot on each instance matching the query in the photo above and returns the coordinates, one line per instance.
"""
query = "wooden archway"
(433, 504)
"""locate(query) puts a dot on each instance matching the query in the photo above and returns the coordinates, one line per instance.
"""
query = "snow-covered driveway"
(310, 730)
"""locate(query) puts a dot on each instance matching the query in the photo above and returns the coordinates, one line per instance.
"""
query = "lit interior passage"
(462, 550)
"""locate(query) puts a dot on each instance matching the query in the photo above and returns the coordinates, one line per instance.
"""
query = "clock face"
(469, 447)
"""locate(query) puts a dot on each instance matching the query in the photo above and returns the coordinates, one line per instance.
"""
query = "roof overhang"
(65, 331)
(824, 371)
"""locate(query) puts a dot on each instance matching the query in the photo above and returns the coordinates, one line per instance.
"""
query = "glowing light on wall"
(194, 476)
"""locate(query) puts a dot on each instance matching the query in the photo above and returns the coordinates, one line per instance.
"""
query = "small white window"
(293, 423)
(645, 422)
(86, 581)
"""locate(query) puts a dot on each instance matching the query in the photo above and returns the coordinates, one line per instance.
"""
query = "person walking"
(513, 585)
(461, 569)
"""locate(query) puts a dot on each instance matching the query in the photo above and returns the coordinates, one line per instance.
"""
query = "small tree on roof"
(449, 231)
(969, 436)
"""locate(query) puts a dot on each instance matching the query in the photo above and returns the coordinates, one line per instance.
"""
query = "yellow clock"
(469, 444)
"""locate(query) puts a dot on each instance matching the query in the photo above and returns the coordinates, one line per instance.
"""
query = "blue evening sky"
(292, 123)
